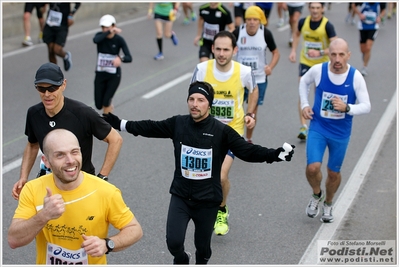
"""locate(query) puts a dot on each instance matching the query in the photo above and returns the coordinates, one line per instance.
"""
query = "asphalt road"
(267, 202)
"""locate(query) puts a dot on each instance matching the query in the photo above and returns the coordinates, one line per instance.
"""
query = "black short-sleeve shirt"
(74, 116)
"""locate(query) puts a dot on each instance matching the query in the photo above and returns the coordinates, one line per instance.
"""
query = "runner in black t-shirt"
(55, 32)
(56, 111)
(213, 18)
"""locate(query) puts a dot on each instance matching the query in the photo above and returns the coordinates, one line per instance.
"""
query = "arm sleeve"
(330, 30)
(149, 128)
(127, 56)
(246, 151)
(236, 31)
(100, 36)
(248, 78)
(28, 129)
(270, 40)
(363, 106)
(312, 75)
(98, 126)
(196, 75)
(26, 205)
(300, 23)
(120, 214)
(77, 5)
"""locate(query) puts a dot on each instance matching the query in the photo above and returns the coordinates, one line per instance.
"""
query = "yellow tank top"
(314, 39)
(228, 103)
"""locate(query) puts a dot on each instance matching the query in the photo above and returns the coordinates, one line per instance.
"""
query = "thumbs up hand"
(54, 205)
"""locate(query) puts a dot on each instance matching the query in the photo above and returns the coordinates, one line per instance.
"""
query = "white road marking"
(167, 86)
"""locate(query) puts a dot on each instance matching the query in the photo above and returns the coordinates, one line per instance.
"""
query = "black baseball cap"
(49, 73)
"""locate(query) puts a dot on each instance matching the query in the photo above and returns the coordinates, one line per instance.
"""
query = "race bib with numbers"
(371, 17)
(223, 110)
(57, 255)
(196, 163)
(312, 45)
(54, 18)
(327, 108)
(251, 61)
(210, 30)
(105, 63)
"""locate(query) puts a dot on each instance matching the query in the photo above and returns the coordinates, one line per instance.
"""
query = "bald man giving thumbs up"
(56, 209)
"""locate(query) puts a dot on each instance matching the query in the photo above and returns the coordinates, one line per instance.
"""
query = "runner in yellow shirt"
(57, 210)
(228, 78)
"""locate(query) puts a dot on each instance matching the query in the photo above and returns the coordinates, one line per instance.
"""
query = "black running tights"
(179, 216)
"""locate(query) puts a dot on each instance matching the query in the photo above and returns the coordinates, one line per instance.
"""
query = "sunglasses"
(51, 89)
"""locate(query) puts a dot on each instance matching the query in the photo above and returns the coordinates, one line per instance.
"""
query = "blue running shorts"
(316, 145)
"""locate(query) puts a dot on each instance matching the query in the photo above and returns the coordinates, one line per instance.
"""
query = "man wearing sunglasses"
(57, 111)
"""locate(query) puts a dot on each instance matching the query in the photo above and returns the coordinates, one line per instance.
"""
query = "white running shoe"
(327, 216)
(27, 41)
(312, 209)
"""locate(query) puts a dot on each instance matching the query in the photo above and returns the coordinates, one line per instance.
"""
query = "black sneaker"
(187, 260)
(68, 61)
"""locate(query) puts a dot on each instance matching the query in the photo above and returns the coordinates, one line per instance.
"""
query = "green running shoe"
(222, 224)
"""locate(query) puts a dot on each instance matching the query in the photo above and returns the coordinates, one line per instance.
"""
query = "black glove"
(113, 120)
(281, 149)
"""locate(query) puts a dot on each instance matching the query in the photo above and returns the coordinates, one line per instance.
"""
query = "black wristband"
(104, 177)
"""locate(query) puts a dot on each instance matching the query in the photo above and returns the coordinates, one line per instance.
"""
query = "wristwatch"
(321, 52)
(348, 108)
(110, 245)
(252, 115)
(104, 177)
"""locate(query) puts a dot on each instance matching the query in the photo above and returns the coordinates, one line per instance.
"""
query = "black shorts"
(303, 69)
(266, 12)
(56, 35)
(30, 6)
(293, 9)
(239, 11)
(367, 35)
(164, 18)
(206, 49)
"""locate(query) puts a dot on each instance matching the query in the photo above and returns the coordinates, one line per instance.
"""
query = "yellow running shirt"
(228, 103)
(89, 209)
(314, 39)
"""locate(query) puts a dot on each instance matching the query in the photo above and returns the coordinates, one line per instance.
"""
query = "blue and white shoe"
(68, 61)
(174, 39)
(193, 16)
(159, 56)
